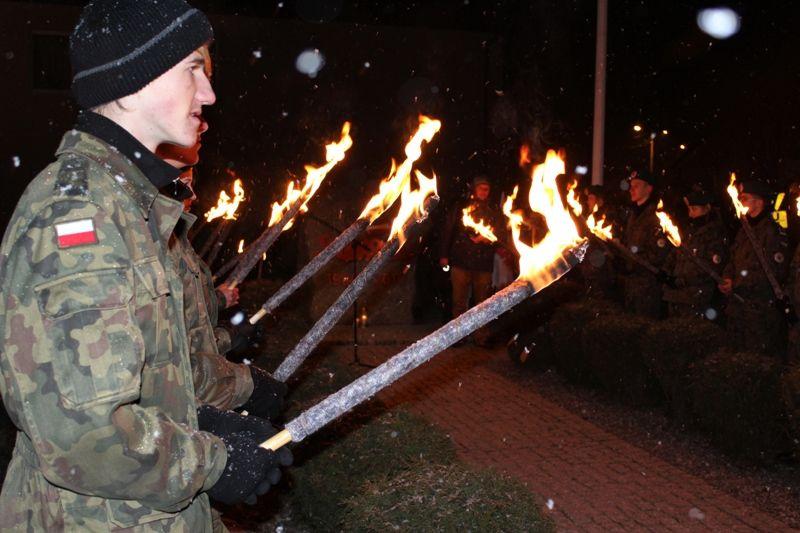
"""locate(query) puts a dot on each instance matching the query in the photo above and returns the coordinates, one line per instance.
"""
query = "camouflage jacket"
(643, 236)
(217, 381)
(709, 243)
(95, 363)
(749, 280)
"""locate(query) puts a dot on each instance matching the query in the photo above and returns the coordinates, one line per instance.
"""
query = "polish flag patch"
(76, 233)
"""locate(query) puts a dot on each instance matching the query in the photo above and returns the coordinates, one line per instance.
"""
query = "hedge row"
(748, 403)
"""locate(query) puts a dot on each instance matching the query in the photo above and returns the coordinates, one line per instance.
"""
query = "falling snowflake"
(257, 53)
(237, 319)
(696, 514)
(367, 64)
(16, 161)
(310, 62)
(550, 504)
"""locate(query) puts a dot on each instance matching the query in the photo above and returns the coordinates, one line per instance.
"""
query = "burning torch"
(414, 209)
(389, 191)
(295, 202)
(777, 290)
(226, 210)
(674, 237)
(540, 265)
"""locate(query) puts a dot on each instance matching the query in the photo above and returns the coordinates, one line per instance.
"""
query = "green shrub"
(613, 347)
(445, 498)
(565, 338)
(736, 397)
(790, 394)
(668, 347)
(339, 460)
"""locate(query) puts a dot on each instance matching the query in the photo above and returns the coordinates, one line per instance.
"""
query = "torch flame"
(241, 246)
(572, 199)
(733, 192)
(334, 153)
(412, 204)
(392, 186)
(524, 155)
(667, 226)
(599, 227)
(536, 262)
(479, 226)
(226, 207)
(798, 206)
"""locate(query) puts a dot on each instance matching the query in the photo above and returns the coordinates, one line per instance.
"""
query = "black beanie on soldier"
(119, 46)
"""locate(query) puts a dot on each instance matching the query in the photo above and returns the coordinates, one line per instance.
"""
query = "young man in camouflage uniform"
(705, 238)
(756, 324)
(217, 381)
(95, 363)
(643, 237)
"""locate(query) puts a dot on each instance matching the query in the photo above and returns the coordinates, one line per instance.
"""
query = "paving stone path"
(592, 479)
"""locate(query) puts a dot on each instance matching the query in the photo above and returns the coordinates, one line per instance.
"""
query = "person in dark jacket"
(705, 238)
(756, 324)
(643, 237)
(469, 256)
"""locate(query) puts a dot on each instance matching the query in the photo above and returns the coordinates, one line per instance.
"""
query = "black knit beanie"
(119, 46)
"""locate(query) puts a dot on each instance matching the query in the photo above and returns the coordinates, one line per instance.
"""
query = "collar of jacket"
(186, 221)
(159, 172)
(127, 175)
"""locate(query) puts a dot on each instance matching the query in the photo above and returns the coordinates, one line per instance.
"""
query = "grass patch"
(435, 497)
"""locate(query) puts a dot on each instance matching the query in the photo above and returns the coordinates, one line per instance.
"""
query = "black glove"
(244, 337)
(268, 394)
(250, 470)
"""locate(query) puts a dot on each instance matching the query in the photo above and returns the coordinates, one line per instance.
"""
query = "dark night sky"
(731, 102)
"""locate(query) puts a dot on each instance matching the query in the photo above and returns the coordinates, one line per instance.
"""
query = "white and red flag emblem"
(76, 233)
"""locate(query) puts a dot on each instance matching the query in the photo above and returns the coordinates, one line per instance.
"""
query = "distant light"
(719, 22)
(582, 170)
(310, 62)
(665, 132)
(682, 147)
(637, 128)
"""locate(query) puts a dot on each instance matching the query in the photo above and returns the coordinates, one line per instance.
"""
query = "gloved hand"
(268, 395)
(250, 470)
(244, 337)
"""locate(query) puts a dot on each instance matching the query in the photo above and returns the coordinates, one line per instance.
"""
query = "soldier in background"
(704, 237)
(756, 324)
(643, 237)
(94, 354)
(217, 382)
(597, 267)
(469, 256)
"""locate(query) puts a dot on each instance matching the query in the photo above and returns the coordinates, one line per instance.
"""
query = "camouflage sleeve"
(219, 382)
(224, 341)
(73, 357)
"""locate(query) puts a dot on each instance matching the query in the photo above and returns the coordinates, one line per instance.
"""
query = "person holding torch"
(705, 238)
(469, 256)
(93, 348)
(757, 324)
